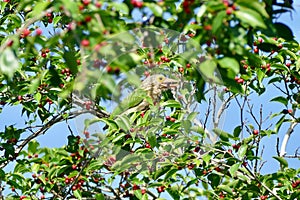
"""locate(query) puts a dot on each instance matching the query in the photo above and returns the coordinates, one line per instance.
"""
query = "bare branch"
(286, 138)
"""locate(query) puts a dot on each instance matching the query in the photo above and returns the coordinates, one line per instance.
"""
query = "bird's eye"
(160, 78)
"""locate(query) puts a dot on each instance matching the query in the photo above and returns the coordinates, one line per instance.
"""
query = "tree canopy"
(75, 62)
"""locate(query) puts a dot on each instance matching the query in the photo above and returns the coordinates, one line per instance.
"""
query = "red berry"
(236, 146)
(135, 187)
(87, 134)
(144, 191)
(180, 69)
(207, 27)
(136, 3)
(43, 54)
(74, 187)
(160, 189)
(191, 35)
(263, 197)
(98, 4)
(191, 166)
(255, 132)
(74, 166)
(229, 11)
(85, 42)
(188, 65)
(288, 64)
(218, 169)
(148, 146)
(22, 197)
(256, 50)
(240, 80)
(109, 69)
(86, 2)
(197, 149)
(38, 31)
(280, 46)
(172, 119)
(20, 98)
(25, 33)
(117, 70)
(88, 19)
(260, 40)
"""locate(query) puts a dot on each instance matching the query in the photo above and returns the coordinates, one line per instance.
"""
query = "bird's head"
(160, 81)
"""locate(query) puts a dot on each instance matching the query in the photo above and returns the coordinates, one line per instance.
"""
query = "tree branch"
(286, 138)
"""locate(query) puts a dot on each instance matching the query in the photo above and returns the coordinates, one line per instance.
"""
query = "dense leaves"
(61, 60)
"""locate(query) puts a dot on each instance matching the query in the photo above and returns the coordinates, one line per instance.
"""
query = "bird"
(148, 93)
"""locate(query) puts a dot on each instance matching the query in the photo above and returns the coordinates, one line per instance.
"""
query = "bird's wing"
(133, 100)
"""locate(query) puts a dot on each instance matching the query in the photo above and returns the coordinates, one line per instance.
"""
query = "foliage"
(63, 59)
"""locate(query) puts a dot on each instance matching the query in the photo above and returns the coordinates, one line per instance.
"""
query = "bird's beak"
(170, 83)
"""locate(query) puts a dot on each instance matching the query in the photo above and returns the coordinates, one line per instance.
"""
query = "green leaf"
(8, 62)
(174, 192)
(224, 136)
(281, 99)
(282, 161)
(138, 194)
(233, 169)
(121, 7)
(250, 17)
(225, 188)
(77, 194)
(126, 162)
(161, 171)
(278, 124)
(170, 173)
(171, 104)
(275, 79)
(206, 157)
(207, 70)
(100, 196)
(38, 8)
(230, 63)
(56, 20)
(254, 5)
(2, 174)
(289, 53)
(280, 66)
(237, 131)
(284, 31)
(218, 21)
(32, 146)
(155, 8)
(152, 139)
(123, 122)
(242, 151)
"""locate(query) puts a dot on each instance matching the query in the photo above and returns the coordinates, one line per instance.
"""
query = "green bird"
(148, 93)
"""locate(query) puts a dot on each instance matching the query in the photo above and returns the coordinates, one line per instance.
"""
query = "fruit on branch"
(255, 132)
